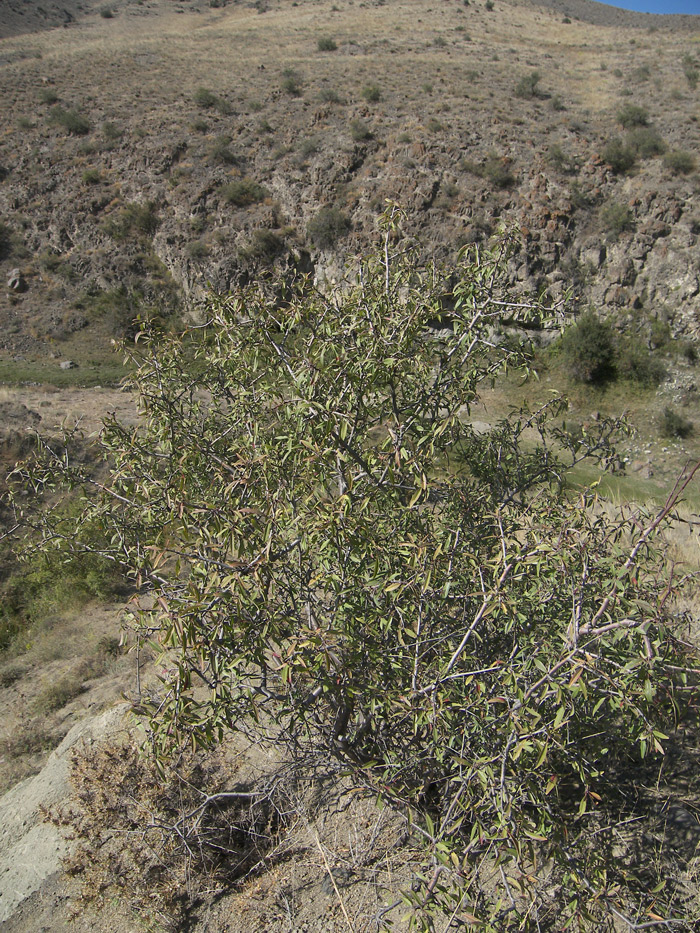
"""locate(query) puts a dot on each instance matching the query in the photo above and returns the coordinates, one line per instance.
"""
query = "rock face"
(152, 192)
(31, 848)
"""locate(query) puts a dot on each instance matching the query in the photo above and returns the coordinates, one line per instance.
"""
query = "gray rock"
(15, 281)
(68, 364)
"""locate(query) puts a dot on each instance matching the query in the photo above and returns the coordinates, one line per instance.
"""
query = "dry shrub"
(155, 837)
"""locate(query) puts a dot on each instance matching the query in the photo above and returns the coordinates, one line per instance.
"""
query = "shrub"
(557, 104)
(620, 158)
(680, 162)
(371, 93)
(106, 13)
(197, 250)
(205, 98)
(291, 82)
(133, 220)
(326, 44)
(673, 424)
(364, 579)
(243, 192)
(329, 95)
(691, 71)
(632, 115)
(111, 131)
(91, 176)
(6, 240)
(359, 131)
(588, 349)
(646, 142)
(560, 160)
(327, 227)
(221, 151)
(71, 121)
(526, 87)
(637, 364)
(494, 169)
(617, 218)
(489, 5)
(48, 96)
(265, 246)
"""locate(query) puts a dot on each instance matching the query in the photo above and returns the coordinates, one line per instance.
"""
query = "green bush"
(71, 121)
(264, 246)
(327, 227)
(691, 71)
(646, 142)
(48, 96)
(329, 95)
(133, 220)
(620, 158)
(198, 249)
(359, 131)
(221, 151)
(371, 93)
(333, 560)
(526, 88)
(589, 351)
(560, 160)
(632, 115)
(616, 218)
(326, 44)
(494, 169)
(680, 162)
(205, 98)
(111, 131)
(673, 424)
(291, 82)
(243, 192)
(637, 364)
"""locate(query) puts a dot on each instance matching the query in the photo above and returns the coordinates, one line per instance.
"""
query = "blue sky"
(659, 6)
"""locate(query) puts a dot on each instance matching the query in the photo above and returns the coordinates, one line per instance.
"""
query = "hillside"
(153, 151)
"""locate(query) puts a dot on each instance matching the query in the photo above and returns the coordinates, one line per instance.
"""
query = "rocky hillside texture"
(153, 151)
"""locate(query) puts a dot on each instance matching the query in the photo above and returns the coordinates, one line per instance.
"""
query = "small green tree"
(335, 559)
(589, 349)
